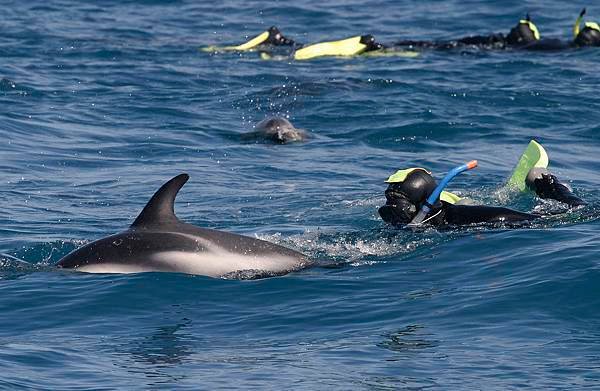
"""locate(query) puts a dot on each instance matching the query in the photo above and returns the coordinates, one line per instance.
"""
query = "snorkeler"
(589, 35)
(409, 192)
(525, 35)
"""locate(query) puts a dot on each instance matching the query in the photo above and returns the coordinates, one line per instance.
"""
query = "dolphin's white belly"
(214, 263)
(109, 267)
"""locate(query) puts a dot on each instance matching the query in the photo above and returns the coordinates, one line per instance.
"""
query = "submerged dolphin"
(158, 241)
(276, 129)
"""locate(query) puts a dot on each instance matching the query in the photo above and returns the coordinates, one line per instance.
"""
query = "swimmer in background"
(589, 35)
(525, 35)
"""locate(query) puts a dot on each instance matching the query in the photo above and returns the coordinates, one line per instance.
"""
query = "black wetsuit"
(494, 41)
(523, 36)
(444, 213)
(489, 42)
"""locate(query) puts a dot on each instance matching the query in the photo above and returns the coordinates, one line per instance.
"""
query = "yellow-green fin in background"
(534, 156)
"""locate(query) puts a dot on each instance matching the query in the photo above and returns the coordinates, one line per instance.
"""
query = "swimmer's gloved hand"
(546, 185)
(589, 36)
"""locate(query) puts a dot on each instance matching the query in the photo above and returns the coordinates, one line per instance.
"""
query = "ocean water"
(101, 103)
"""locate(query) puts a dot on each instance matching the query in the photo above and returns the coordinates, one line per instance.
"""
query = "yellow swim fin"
(345, 47)
(254, 42)
(271, 36)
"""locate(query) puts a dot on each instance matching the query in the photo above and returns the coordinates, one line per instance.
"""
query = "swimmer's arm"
(477, 214)
(547, 185)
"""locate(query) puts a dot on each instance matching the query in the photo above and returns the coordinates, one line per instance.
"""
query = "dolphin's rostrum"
(158, 241)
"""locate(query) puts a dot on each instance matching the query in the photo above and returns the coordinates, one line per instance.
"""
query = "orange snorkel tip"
(471, 164)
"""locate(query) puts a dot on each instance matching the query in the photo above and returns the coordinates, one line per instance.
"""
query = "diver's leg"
(418, 44)
(477, 214)
(493, 40)
(546, 185)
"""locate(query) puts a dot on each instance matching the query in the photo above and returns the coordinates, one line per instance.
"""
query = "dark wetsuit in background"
(523, 36)
(488, 42)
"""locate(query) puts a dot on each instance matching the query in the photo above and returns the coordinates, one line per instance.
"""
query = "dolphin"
(276, 129)
(158, 241)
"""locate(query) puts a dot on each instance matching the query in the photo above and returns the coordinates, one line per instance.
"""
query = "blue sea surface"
(102, 102)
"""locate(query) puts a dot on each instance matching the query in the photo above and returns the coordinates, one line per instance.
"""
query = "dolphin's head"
(109, 249)
(280, 130)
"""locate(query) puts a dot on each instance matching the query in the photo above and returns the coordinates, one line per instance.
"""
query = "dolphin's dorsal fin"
(159, 210)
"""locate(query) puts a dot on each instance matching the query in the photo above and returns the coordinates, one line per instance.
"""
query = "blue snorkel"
(433, 197)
